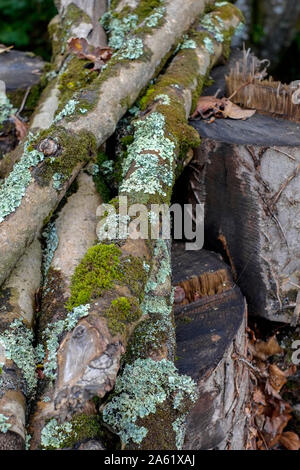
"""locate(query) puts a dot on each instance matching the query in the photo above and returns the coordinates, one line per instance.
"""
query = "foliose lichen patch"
(139, 390)
(17, 341)
(14, 186)
(4, 425)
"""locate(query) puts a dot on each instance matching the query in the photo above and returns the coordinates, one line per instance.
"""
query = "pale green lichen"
(142, 387)
(146, 266)
(118, 28)
(53, 434)
(188, 44)
(151, 173)
(52, 333)
(27, 441)
(113, 226)
(51, 240)
(208, 22)
(57, 435)
(6, 108)
(221, 4)
(156, 308)
(39, 354)
(17, 341)
(58, 179)
(179, 428)
(153, 20)
(107, 167)
(4, 425)
(164, 99)
(209, 45)
(68, 110)
(14, 186)
(132, 49)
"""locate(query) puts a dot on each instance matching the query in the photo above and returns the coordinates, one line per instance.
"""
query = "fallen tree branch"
(85, 122)
(17, 357)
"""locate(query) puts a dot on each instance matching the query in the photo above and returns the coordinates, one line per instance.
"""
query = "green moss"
(75, 78)
(226, 11)
(73, 149)
(122, 312)
(135, 275)
(97, 272)
(146, 7)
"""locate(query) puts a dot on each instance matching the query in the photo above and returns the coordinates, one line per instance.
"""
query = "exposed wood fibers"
(250, 88)
(205, 285)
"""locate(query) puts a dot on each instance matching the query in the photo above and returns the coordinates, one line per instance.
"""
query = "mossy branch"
(155, 157)
(93, 114)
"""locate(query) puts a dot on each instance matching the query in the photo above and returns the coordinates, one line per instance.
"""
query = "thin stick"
(23, 102)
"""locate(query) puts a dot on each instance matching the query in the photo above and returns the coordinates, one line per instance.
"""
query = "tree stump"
(211, 348)
(247, 173)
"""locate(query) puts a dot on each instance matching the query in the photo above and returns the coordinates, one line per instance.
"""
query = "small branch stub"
(48, 147)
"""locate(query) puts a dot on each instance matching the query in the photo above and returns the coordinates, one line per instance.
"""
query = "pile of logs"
(77, 312)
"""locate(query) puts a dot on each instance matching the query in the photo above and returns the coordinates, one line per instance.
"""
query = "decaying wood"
(211, 338)
(75, 229)
(252, 89)
(247, 174)
(17, 303)
(100, 122)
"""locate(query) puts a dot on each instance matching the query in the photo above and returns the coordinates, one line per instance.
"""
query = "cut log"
(211, 346)
(247, 173)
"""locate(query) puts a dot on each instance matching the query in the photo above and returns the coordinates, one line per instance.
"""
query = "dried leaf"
(277, 377)
(290, 440)
(98, 55)
(21, 128)
(265, 349)
(234, 111)
(209, 106)
(259, 397)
